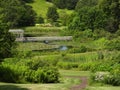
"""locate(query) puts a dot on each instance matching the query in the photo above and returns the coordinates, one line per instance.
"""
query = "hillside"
(41, 6)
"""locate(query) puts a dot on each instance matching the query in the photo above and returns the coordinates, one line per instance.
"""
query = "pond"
(63, 48)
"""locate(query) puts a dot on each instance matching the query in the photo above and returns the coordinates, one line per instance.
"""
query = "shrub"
(47, 75)
(7, 75)
(99, 76)
(113, 44)
(112, 77)
(52, 14)
(22, 74)
(40, 20)
(81, 49)
(112, 80)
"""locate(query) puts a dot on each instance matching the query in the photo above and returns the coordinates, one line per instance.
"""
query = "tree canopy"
(69, 4)
(96, 14)
(112, 9)
(16, 13)
(52, 14)
(6, 42)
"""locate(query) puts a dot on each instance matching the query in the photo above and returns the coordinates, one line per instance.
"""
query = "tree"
(84, 3)
(63, 17)
(28, 1)
(111, 8)
(49, 0)
(39, 19)
(70, 4)
(28, 17)
(6, 42)
(52, 14)
(60, 3)
(88, 18)
(16, 13)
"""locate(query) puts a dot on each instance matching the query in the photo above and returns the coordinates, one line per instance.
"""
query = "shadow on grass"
(11, 87)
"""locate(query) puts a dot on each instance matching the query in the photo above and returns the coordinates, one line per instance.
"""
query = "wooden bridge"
(52, 38)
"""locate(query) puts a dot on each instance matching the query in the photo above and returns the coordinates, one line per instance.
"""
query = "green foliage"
(113, 44)
(88, 18)
(81, 49)
(111, 9)
(6, 42)
(69, 4)
(49, 0)
(84, 3)
(40, 20)
(64, 17)
(59, 3)
(52, 14)
(112, 78)
(6, 74)
(23, 71)
(16, 13)
(96, 14)
(28, 1)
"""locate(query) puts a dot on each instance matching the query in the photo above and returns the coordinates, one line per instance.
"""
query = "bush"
(112, 80)
(40, 20)
(81, 49)
(48, 75)
(112, 77)
(19, 73)
(113, 44)
(7, 75)
(52, 14)
(99, 76)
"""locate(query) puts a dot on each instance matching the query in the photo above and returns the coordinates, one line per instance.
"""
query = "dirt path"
(84, 82)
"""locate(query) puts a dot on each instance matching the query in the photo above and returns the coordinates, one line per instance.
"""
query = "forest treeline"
(96, 14)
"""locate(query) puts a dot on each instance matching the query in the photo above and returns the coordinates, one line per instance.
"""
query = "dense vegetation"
(6, 42)
(94, 25)
(69, 4)
(16, 13)
(92, 14)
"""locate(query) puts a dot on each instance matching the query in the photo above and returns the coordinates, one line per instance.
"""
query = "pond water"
(63, 48)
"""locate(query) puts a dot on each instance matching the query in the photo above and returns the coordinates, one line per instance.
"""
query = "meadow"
(41, 7)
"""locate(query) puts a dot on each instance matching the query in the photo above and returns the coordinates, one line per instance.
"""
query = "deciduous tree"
(6, 42)
(52, 14)
(16, 13)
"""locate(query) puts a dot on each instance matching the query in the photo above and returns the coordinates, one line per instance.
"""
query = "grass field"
(41, 7)
(65, 85)
(103, 88)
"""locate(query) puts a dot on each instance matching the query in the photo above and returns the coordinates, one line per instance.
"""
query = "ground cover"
(66, 83)
(40, 7)
(43, 31)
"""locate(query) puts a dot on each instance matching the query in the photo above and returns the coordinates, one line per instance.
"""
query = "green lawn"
(74, 73)
(65, 84)
(103, 88)
(40, 7)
